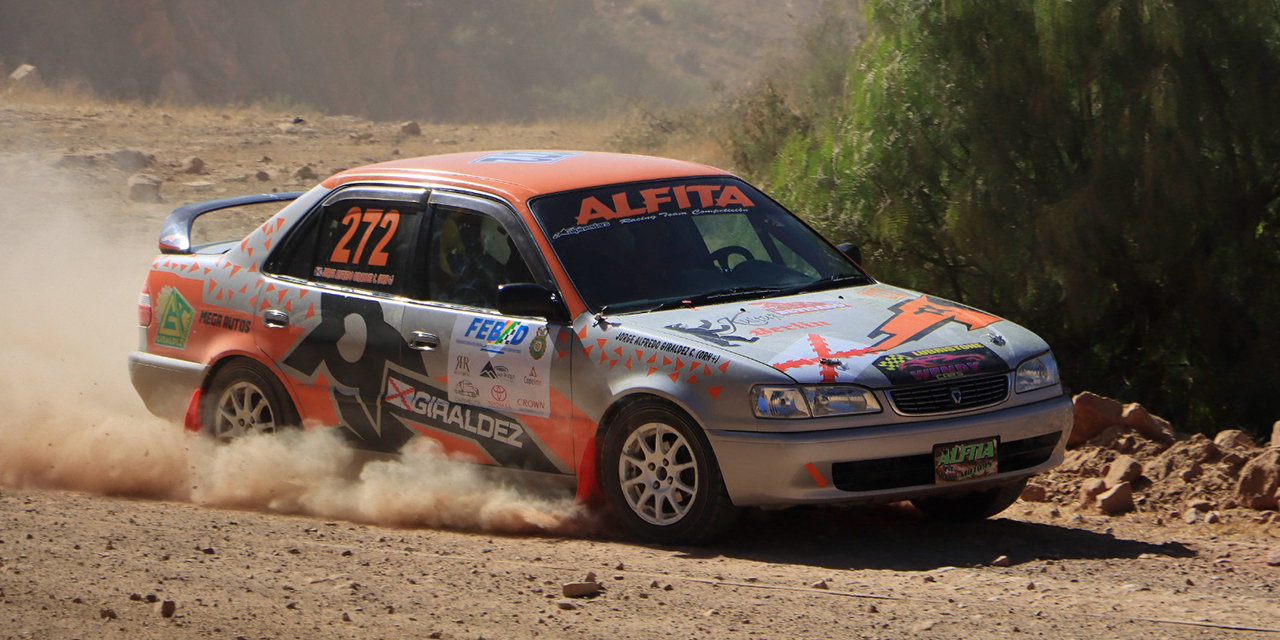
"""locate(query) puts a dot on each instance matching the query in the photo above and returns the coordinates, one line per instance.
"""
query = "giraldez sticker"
(414, 401)
(498, 363)
(968, 460)
(176, 315)
(941, 363)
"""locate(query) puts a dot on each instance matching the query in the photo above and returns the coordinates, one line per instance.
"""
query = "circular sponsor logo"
(498, 392)
(538, 347)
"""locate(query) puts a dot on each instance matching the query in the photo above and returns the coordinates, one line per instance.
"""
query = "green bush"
(1106, 172)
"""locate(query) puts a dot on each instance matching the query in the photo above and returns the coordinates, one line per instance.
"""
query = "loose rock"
(131, 159)
(26, 76)
(581, 589)
(410, 128)
(192, 165)
(1034, 493)
(1260, 481)
(1116, 500)
(821, 584)
(566, 605)
(305, 172)
(1001, 561)
(107, 614)
(1233, 439)
(1123, 469)
(144, 188)
(166, 608)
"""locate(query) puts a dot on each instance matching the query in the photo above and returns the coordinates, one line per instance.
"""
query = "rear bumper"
(885, 463)
(165, 384)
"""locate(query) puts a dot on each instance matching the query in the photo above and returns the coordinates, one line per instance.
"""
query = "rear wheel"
(662, 479)
(244, 399)
(971, 507)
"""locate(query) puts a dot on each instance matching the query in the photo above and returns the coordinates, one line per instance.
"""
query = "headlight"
(817, 401)
(1036, 373)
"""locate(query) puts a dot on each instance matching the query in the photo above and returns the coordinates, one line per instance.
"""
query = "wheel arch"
(231, 357)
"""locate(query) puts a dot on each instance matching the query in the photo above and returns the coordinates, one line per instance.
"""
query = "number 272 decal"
(388, 221)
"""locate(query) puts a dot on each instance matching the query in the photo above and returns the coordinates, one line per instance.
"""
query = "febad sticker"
(500, 363)
(176, 315)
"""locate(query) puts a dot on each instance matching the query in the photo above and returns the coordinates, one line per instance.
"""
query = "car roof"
(525, 173)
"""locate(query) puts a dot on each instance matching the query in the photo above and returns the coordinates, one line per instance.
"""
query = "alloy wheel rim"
(243, 409)
(658, 473)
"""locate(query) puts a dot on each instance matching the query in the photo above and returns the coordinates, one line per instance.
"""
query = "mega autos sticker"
(940, 363)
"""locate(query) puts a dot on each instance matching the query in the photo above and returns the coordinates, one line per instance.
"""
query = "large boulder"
(1093, 415)
(1260, 480)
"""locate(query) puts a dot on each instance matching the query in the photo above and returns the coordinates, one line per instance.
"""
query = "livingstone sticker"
(176, 315)
(498, 363)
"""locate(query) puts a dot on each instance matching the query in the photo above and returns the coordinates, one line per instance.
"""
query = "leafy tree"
(1104, 171)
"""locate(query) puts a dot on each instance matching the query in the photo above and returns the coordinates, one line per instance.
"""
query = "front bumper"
(165, 384)
(882, 463)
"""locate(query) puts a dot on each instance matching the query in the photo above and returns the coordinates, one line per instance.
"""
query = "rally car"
(659, 334)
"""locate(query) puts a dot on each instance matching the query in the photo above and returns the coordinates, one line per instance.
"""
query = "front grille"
(938, 398)
(917, 470)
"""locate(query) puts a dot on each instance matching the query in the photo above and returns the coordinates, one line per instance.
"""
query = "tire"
(971, 507)
(244, 399)
(690, 503)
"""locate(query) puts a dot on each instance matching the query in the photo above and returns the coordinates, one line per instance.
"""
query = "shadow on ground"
(899, 538)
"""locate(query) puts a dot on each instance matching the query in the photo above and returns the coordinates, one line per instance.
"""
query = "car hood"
(873, 335)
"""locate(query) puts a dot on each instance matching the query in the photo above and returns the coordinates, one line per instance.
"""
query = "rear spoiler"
(175, 237)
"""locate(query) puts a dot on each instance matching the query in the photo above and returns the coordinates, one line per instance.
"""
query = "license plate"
(967, 460)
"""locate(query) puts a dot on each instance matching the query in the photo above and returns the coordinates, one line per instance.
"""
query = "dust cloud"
(70, 274)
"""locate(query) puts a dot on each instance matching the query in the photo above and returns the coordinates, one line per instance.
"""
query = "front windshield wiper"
(724, 295)
(829, 283)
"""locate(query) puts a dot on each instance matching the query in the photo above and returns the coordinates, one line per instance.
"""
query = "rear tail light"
(144, 307)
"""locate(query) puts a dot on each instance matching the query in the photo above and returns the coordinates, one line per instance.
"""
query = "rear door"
(486, 386)
(333, 303)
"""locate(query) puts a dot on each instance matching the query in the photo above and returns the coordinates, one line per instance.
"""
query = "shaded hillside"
(433, 59)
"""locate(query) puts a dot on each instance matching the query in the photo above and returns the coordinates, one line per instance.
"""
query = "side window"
(469, 255)
(365, 244)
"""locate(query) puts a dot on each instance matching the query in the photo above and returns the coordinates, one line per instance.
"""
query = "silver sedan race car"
(658, 334)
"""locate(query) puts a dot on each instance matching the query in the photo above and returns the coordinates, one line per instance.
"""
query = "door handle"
(423, 341)
(275, 319)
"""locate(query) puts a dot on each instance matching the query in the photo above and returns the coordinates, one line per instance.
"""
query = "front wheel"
(971, 507)
(244, 399)
(661, 477)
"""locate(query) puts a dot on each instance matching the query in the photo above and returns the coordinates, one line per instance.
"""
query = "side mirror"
(850, 249)
(529, 299)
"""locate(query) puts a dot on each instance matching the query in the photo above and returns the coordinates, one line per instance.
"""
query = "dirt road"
(280, 542)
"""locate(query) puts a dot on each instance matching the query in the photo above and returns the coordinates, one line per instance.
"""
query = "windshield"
(654, 245)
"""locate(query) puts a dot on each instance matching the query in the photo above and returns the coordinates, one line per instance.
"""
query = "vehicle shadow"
(899, 538)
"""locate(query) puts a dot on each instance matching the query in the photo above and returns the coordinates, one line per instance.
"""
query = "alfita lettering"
(968, 452)
(686, 196)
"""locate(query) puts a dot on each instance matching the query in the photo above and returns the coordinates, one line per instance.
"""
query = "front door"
(487, 387)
